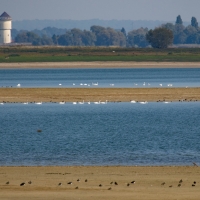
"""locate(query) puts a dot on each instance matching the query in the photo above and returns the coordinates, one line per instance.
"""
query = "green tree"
(179, 20)
(123, 31)
(137, 38)
(88, 38)
(194, 22)
(160, 38)
(55, 39)
(169, 26)
(180, 38)
(26, 37)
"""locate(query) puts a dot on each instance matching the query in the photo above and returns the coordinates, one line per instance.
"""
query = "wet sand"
(11, 95)
(148, 183)
(100, 65)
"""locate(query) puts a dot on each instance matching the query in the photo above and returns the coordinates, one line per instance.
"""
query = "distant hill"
(86, 24)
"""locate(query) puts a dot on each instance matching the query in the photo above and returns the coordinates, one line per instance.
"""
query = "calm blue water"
(111, 134)
(129, 78)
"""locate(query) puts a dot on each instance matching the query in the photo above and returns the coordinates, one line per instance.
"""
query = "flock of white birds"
(98, 102)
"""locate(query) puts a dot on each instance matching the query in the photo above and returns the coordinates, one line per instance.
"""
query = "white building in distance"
(5, 28)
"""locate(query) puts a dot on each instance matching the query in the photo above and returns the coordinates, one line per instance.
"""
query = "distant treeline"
(101, 36)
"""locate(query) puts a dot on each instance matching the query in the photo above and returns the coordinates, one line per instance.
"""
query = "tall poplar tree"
(179, 20)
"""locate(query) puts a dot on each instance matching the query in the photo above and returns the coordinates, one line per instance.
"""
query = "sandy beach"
(150, 182)
(11, 95)
(100, 65)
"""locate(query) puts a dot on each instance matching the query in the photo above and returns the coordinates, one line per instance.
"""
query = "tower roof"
(5, 16)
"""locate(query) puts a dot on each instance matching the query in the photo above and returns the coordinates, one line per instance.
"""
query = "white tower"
(5, 28)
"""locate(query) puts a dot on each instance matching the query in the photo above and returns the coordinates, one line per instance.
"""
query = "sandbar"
(16, 95)
(95, 64)
(154, 183)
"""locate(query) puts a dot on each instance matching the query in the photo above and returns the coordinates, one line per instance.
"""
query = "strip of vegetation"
(124, 58)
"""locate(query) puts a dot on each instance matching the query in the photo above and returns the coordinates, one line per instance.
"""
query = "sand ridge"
(95, 64)
(14, 95)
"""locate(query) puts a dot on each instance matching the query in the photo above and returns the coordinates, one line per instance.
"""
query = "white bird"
(149, 84)
(85, 83)
(97, 102)
(39, 103)
(160, 85)
(133, 101)
(169, 85)
(166, 102)
(88, 102)
(81, 83)
(25, 103)
(81, 102)
(95, 83)
(143, 102)
(74, 102)
(144, 83)
(73, 83)
(135, 84)
(19, 85)
(62, 102)
(1, 103)
(104, 102)
(112, 84)
(60, 84)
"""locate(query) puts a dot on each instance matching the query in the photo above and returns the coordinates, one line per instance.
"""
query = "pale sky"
(164, 10)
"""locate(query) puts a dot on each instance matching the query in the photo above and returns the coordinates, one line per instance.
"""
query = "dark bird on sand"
(170, 186)
(163, 183)
(76, 187)
(133, 182)
(22, 184)
(30, 182)
(116, 183)
(78, 180)
(181, 181)
(194, 182)
(111, 182)
(85, 180)
(179, 185)
(100, 185)
(109, 188)
(7, 183)
(195, 164)
(193, 185)
(59, 184)
(69, 183)
(128, 184)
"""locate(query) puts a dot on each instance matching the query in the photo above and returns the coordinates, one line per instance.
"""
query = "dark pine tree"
(179, 20)
(194, 22)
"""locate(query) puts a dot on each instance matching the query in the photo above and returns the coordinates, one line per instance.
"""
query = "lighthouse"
(5, 28)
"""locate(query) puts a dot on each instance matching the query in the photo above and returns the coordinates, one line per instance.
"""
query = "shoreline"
(97, 64)
(52, 95)
(106, 182)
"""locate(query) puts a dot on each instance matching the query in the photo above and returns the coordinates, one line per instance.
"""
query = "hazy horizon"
(103, 10)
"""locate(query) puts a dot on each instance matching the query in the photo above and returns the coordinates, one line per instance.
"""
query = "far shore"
(109, 64)
(100, 182)
(17, 95)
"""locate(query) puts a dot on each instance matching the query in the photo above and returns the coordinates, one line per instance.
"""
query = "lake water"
(110, 134)
(104, 78)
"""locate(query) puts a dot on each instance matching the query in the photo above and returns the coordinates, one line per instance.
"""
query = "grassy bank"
(88, 54)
